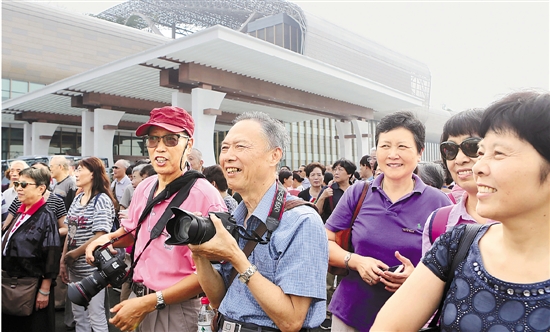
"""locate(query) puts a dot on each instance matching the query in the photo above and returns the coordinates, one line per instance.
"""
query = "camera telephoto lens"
(186, 228)
(81, 292)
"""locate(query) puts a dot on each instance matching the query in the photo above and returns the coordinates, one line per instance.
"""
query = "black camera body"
(110, 270)
(187, 228)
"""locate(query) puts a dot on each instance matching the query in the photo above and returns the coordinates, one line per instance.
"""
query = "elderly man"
(281, 284)
(65, 186)
(120, 179)
(165, 287)
(195, 160)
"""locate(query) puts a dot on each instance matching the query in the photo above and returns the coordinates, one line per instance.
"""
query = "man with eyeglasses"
(165, 287)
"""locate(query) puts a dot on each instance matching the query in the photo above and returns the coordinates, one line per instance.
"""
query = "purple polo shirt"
(381, 228)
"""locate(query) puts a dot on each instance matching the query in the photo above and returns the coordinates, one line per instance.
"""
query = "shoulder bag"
(343, 237)
(18, 293)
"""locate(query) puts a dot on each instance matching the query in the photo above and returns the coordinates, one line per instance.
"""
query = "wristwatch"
(160, 301)
(245, 277)
(346, 260)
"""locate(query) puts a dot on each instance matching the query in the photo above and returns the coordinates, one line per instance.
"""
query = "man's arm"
(211, 281)
(131, 312)
(288, 312)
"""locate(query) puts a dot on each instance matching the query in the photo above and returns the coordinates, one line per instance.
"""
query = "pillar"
(87, 143)
(27, 139)
(105, 125)
(361, 129)
(205, 121)
(41, 136)
(343, 129)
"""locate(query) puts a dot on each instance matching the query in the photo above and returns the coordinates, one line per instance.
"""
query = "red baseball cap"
(171, 118)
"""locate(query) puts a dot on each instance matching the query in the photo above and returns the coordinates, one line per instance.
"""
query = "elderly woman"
(90, 216)
(31, 248)
(504, 282)
(459, 143)
(16, 166)
(388, 228)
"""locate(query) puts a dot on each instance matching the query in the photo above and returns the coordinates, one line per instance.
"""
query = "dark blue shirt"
(478, 301)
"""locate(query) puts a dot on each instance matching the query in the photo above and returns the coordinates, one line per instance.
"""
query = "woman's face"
(288, 182)
(31, 193)
(136, 179)
(316, 177)
(340, 174)
(397, 154)
(461, 167)
(507, 174)
(84, 177)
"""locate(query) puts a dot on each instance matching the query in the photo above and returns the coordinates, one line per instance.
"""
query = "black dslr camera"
(110, 270)
(187, 228)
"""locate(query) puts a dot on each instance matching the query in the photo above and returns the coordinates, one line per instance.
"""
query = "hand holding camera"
(111, 269)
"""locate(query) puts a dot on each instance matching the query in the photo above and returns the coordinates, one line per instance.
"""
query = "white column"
(41, 146)
(202, 99)
(182, 100)
(27, 139)
(103, 137)
(343, 129)
(87, 143)
(360, 128)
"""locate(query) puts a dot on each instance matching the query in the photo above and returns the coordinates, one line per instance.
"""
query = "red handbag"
(343, 237)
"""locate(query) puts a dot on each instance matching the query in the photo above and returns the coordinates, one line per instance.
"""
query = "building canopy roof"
(226, 51)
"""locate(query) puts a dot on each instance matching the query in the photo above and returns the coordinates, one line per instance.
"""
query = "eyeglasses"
(22, 184)
(469, 146)
(169, 140)
(114, 167)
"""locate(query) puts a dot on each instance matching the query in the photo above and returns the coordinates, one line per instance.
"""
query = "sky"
(477, 51)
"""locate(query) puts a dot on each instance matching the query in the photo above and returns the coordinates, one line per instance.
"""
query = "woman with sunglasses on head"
(91, 215)
(503, 284)
(31, 248)
(387, 231)
(459, 144)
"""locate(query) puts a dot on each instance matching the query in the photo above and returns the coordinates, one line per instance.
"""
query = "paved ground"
(113, 298)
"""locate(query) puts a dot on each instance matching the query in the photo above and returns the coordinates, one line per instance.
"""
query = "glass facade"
(14, 88)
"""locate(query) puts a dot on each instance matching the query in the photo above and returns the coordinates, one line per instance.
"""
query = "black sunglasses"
(22, 184)
(469, 146)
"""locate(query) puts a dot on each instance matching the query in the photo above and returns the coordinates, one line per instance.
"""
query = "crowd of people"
(268, 272)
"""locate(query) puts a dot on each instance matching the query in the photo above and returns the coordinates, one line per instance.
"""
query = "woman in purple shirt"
(388, 228)
(503, 284)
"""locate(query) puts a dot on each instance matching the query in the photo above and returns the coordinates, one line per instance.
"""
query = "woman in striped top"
(91, 215)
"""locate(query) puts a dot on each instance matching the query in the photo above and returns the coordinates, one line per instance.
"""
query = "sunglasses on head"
(469, 146)
(22, 184)
(169, 140)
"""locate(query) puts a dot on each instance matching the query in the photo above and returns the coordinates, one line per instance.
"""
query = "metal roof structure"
(189, 16)
(222, 49)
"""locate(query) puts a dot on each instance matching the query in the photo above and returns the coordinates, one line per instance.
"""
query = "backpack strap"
(438, 222)
(464, 244)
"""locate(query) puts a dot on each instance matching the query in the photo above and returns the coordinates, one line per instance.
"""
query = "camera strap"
(182, 186)
(278, 207)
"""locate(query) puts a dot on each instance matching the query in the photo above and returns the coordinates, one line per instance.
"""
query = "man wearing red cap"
(165, 287)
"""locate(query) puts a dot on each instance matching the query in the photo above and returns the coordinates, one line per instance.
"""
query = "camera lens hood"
(177, 227)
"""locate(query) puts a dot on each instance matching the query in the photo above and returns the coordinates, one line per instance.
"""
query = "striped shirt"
(84, 221)
(54, 203)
